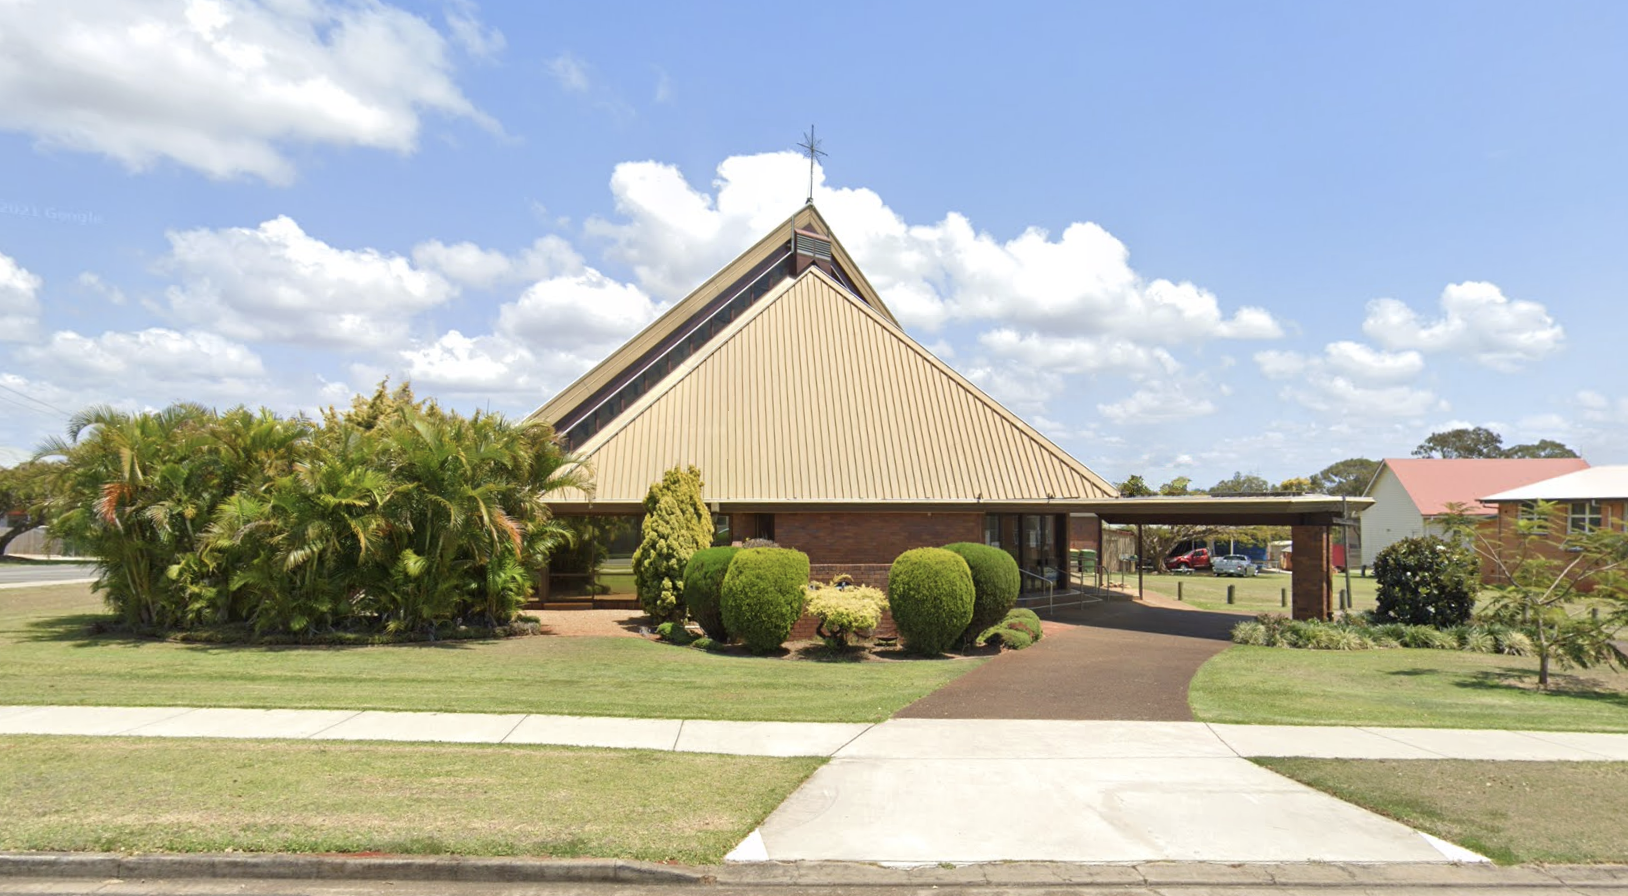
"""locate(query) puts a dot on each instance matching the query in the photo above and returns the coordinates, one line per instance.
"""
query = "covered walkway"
(1309, 518)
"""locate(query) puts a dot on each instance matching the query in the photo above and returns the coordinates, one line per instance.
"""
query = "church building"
(818, 422)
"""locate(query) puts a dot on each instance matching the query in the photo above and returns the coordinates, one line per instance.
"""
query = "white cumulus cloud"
(471, 265)
(19, 301)
(1350, 378)
(1477, 321)
(275, 283)
(155, 365)
(224, 86)
(1072, 299)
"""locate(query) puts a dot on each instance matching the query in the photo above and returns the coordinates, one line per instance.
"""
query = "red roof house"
(1411, 494)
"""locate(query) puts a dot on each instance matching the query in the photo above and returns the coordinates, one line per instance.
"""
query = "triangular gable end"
(815, 398)
(687, 326)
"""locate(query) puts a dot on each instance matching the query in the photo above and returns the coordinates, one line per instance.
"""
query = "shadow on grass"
(1512, 679)
(1414, 673)
(86, 630)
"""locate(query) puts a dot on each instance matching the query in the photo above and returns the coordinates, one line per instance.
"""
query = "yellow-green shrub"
(845, 612)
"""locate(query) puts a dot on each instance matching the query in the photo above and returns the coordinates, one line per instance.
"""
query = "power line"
(52, 408)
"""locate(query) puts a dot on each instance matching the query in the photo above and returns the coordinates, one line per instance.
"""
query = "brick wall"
(869, 538)
(1499, 535)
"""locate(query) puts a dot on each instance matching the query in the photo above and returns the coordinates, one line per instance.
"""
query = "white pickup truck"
(1234, 565)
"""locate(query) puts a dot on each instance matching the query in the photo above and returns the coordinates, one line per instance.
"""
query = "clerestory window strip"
(698, 335)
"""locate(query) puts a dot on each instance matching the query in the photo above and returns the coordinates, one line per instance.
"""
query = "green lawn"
(1403, 688)
(127, 795)
(1253, 595)
(1510, 812)
(47, 657)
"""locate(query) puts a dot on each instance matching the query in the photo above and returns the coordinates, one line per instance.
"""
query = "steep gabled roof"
(673, 323)
(1434, 483)
(1605, 483)
(815, 396)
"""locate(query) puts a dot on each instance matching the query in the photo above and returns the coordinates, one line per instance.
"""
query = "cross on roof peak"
(811, 148)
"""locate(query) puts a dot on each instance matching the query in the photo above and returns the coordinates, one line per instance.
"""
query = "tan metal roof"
(814, 398)
(806, 218)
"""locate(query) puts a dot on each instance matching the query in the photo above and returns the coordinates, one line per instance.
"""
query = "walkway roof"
(1226, 510)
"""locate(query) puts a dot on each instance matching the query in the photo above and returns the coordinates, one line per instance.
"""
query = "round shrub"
(1425, 581)
(931, 594)
(995, 584)
(762, 596)
(704, 589)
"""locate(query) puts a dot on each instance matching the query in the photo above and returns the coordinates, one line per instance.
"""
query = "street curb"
(1174, 876)
(324, 867)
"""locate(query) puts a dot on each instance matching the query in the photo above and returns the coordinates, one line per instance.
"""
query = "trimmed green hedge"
(704, 589)
(763, 596)
(930, 592)
(994, 584)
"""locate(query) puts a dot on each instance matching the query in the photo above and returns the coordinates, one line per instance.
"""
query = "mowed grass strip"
(153, 795)
(1402, 688)
(1252, 595)
(1510, 812)
(47, 657)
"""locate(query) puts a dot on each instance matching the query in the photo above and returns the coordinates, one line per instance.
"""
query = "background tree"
(1541, 448)
(1134, 487)
(1460, 443)
(1181, 485)
(1296, 485)
(24, 490)
(1349, 477)
(676, 525)
(1241, 483)
(1481, 442)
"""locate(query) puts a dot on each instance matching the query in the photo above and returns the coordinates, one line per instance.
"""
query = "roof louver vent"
(812, 244)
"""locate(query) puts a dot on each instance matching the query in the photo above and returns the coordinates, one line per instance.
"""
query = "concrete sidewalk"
(895, 739)
(959, 791)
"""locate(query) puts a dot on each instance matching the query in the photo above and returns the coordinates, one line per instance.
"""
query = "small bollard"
(1283, 597)
(1178, 590)
(1230, 589)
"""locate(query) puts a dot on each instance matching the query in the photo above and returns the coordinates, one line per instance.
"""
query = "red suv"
(1198, 558)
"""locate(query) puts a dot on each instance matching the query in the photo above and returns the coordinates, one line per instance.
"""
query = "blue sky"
(1183, 239)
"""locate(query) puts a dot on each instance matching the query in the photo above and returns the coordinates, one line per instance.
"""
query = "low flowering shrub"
(845, 613)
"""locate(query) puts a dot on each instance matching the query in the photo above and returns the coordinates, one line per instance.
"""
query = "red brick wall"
(831, 538)
(1312, 592)
(1499, 536)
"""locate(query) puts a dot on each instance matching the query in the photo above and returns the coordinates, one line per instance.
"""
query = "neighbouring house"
(1586, 500)
(1412, 495)
(817, 421)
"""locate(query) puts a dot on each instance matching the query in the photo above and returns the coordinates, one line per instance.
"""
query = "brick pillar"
(1313, 593)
